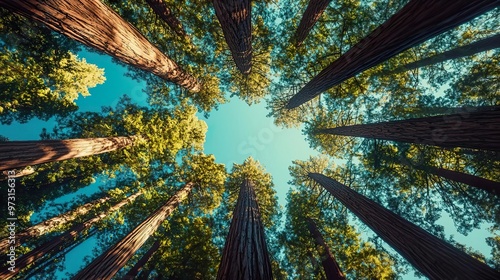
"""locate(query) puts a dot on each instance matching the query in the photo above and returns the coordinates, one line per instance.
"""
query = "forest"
(238, 139)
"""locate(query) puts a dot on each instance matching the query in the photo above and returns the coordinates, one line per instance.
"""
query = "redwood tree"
(313, 12)
(164, 12)
(140, 264)
(416, 22)
(430, 255)
(94, 24)
(245, 254)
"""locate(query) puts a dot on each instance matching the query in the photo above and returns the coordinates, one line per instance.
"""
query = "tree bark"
(140, 264)
(313, 12)
(93, 24)
(430, 255)
(416, 22)
(107, 265)
(164, 12)
(330, 265)
(60, 241)
(476, 130)
(15, 154)
(235, 19)
(245, 253)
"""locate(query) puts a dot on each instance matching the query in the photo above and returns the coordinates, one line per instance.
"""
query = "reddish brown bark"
(430, 255)
(164, 12)
(107, 265)
(15, 154)
(93, 24)
(140, 264)
(313, 12)
(245, 254)
(476, 130)
(416, 22)
(235, 19)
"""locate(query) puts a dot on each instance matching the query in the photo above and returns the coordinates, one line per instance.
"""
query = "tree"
(162, 10)
(420, 248)
(140, 264)
(402, 31)
(313, 12)
(95, 25)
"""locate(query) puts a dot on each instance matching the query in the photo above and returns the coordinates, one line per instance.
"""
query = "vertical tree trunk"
(330, 265)
(416, 22)
(57, 243)
(140, 264)
(93, 24)
(476, 130)
(245, 253)
(313, 12)
(15, 154)
(107, 265)
(314, 263)
(164, 12)
(430, 255)
(235, 19)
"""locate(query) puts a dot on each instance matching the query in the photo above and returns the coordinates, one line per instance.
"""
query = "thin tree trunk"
(140, 264)
(107, 265)
(314, 263)
(313, 12)
(50, 224)
(17, 173)
(235, 19)
(245, 253)
(430, 255)
(164, 12)
(94, 24)
(15, 154)
(330, 265)
(476, 130)
(416, 22)
(60, 241)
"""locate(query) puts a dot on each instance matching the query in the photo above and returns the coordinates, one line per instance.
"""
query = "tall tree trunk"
(313, 12)
(15, 154)
(235, 19)
(430, 255)
(50, 224)
(164, 12)
(60, 241)
(314, 263)
(94, 24)
(245, 253)
(140, 264)
(107, 265)
(476, 130)
(416, 22)
(330, 265)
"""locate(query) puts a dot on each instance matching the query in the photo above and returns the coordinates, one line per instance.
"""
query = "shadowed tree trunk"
(330, 265)
(107, 264)
(316, 267)
(245, 253)
(162, 10)
(140, 264)
(15, 154)
(94, 24)
(235, 19)
(313, 12)
(430, 255)
(476, 130)
(59, 242)
(416, 22)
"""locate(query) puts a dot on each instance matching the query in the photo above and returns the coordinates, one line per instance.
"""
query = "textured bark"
(430, 255)
(164, 12)
(476, 130)
(15, 154)
(59, 242)
(140, 264)
(245, 253)
(235, 19)
(48, 225)
(107, 265)
(313, 12)
(93, 24)
(330, 265)
(416, 22)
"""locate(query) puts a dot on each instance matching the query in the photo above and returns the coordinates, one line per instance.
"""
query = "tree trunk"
(235, 19)
(476, 130)
(140, 264)
(245, 253)
(93, 24)
(416, 22)
(430, 255)
(15, 154)
(313, 12)
(50, 224)
(57, 243)
(17, 173)
(107, 265)
(330, 265)
(162, 10)
(314, 263)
